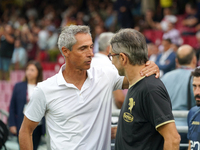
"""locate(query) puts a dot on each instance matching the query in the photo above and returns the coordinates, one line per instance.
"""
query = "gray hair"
(132, 43)
(104, 40)
(67, 36)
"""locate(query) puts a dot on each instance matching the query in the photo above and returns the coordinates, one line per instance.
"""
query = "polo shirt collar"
(61, 80)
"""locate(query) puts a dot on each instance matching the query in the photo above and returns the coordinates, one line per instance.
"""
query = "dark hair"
(39, 68)
(196, 72)
(168, 40)
(186, 59)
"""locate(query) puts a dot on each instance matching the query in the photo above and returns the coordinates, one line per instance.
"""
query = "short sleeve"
(114, 78)
(157, 108)
(37, 106)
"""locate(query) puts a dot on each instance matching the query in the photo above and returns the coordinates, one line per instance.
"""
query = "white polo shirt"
(76, 119)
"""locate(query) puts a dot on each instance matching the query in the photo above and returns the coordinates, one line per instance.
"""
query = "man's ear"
(65, 51)
(194, 60)
(123, 58)
(108, 49)
(177, 63)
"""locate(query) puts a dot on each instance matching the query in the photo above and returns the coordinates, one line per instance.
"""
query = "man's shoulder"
(103, 69)
(176, 74)
(194, 109)
(150, 83)
(49, 81)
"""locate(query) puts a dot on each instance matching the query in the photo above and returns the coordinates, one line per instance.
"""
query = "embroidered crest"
(131, 104)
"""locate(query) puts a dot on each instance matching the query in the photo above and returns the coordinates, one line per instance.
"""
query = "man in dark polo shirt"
(6, 50)
(146, 121)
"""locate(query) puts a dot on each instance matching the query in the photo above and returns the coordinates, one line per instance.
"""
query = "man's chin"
(198, 103)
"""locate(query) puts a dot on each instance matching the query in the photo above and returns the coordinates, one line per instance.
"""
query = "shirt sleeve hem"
(166, 122)
(31, 118)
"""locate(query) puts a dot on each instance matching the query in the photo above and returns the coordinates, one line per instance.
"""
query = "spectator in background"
(98, 30)
(29, 39)
(124, 14)
(6, 50)
(43, 36)
(168, 18)
(178, 82)
(148, 4)
(20, 98)
(152, 52)
(52, 37)
(101, 60)
(111, 18)
(166, 59)
(197, 48)
(191, 18)
(173, 34)
(19, 57)
(68, 16)
(52, 48)
(148, 21)
(193, 118)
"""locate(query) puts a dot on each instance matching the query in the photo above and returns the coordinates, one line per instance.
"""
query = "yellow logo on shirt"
(131, 104)
(128, 117)
(195, 123)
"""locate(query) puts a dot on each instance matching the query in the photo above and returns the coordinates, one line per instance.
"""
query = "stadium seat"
(153, 35)
(190, 40)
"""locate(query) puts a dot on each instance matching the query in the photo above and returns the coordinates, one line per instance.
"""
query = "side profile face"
(31, 72)
(80, 56)
(116, 63)
(196, 89)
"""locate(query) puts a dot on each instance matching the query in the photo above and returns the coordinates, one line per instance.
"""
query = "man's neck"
(190, 66)
(75, 76)
(133, 73)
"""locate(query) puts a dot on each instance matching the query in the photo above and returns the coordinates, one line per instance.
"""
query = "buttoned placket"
(84, 87)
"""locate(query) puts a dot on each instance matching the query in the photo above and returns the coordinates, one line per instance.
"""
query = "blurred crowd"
(29, 29)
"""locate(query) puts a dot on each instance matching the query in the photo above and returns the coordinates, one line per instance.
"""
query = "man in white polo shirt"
(76, 102)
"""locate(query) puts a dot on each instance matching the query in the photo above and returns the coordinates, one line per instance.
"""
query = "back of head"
(67, 35)
(185, 55)
(132, 43)
(104, 40)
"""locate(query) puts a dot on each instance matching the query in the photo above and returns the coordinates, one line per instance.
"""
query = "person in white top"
(76, 102)
(101, 59)
(21, 95)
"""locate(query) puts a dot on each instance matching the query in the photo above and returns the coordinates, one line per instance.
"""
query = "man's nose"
(91, 54)
(197, 91)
